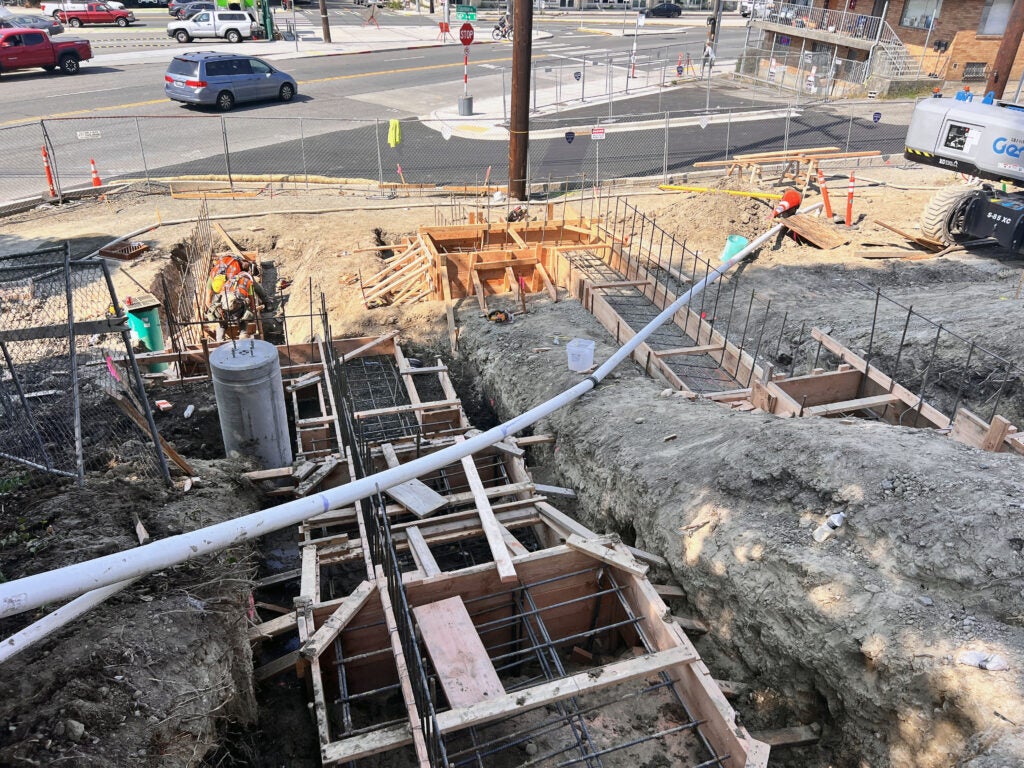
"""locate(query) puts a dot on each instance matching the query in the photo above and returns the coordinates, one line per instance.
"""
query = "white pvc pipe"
(53, 586)
(50, 623)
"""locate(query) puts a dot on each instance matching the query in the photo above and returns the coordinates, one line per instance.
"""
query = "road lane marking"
(113, 107)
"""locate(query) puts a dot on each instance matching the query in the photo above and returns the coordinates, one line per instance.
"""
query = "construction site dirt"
(864, 647)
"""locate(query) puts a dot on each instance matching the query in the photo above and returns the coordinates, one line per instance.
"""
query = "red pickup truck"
(96, 13)
(29, 48)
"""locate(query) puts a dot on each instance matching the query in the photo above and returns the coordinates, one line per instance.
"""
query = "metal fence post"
(849, 134)
(380, 162)
(53, 161)
(142, 150)
(302, 145)
(73, 357)
(664, 158)
(227, 152)
(728, 132)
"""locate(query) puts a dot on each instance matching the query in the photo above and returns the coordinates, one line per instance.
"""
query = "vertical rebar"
(999, 393)
(963, 379)
(927, 373)
(757, 347)
(899, 352)
(73, 356)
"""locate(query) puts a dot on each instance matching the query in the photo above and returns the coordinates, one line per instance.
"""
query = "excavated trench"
(863, 633)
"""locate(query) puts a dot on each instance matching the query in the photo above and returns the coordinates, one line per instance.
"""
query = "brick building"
(895, 47)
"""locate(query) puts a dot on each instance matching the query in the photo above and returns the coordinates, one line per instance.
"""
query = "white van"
(53, 8)
(233, 26)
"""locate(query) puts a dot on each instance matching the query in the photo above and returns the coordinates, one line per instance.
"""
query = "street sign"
(597, 134)
(466, 34)
(577, 74)
(876, 117)
(569, 136)
(679, 69)
(465, 12)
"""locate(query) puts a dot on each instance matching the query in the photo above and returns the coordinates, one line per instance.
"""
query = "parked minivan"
(233, 26)
(224, 79)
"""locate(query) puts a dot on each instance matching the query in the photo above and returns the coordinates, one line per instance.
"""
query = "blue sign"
(569, 136)
(577, 75)
(679, 69)
(877, 116)
(784, 40)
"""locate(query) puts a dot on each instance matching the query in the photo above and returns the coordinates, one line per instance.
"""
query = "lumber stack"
(405, 279)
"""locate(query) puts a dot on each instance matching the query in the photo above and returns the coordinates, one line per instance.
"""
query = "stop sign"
(466, 34)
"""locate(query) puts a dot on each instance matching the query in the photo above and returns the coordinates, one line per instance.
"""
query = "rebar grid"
(543, 649)
(533, 642)
(61, 327)
(184, 302)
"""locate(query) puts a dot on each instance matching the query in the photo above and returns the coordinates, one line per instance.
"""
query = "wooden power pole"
(519, 124)
(1007, 51)
(325, 22)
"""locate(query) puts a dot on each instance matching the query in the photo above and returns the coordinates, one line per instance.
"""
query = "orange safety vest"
(241, 286)
(226, 265)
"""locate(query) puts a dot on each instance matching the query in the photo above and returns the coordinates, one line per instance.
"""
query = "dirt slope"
(862, 632)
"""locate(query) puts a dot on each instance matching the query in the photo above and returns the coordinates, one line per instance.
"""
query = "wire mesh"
(59, 340)
(353, 151)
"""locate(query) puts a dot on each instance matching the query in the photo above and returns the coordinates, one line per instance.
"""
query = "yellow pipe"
(738, 193)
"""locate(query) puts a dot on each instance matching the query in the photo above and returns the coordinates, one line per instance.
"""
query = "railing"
(845, 23)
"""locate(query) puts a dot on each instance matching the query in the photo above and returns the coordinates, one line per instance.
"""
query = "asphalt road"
(338, 125)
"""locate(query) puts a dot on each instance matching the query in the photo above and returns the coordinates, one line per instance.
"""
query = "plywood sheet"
(459, 657)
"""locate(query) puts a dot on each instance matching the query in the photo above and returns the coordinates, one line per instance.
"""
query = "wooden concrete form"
(523, 533)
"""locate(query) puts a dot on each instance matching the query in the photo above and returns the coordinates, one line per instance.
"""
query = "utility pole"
(325, 23)
(519, 125)
(1007, 51)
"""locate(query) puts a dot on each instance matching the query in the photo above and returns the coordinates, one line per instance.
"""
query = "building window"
(920, 14)
(995, 17)
(974, 71)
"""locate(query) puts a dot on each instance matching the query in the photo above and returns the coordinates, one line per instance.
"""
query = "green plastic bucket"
(733, 245)
(144, 323)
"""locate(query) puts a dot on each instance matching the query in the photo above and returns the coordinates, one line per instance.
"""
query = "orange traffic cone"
(790, 201)
(95, 175)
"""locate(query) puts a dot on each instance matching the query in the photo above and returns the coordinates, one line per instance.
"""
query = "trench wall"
(861, 633)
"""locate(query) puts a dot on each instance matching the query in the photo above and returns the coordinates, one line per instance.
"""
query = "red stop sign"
(466, 34)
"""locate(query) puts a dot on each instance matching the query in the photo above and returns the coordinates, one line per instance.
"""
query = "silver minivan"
(224, 79)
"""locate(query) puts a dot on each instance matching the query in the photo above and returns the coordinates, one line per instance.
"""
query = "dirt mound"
(152, 675)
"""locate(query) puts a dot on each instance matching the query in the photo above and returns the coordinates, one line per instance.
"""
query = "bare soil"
(861, 634)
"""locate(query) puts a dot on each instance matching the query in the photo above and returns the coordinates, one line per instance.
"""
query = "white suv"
(233, 26)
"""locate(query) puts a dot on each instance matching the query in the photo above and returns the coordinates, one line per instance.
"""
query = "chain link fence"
(68, 405)
(309, 150)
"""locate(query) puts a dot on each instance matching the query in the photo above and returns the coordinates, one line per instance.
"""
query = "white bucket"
(581, 355)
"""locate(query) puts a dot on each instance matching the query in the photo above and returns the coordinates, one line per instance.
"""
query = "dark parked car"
(224, 79)
(189, 10)
(174, 5)
(19, 21)
(665, 10)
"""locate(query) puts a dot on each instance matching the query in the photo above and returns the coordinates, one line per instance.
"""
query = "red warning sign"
(466, 34)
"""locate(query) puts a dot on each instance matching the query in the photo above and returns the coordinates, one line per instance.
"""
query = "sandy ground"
(861, 634)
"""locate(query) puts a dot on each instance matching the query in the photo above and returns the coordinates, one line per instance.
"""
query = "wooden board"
(463, 667)
(337, 621)
(850, 406)
(414, 495)
(421, 552)
(488, 522)
(814, 230)
(595, 548)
